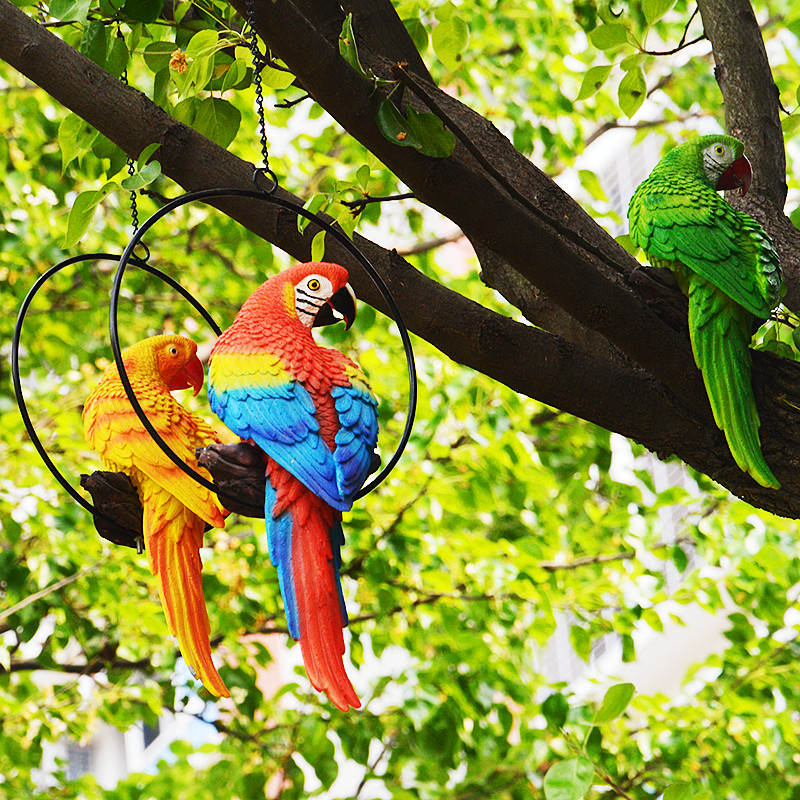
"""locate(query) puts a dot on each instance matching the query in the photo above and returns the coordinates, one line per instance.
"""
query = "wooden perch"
(237, 469)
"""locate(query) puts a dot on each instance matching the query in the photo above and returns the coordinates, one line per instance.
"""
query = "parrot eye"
(173, 351)
(719, 149)
(314, 285)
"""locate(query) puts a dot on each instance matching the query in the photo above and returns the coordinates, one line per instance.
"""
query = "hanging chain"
(131, 163)
(258, 63)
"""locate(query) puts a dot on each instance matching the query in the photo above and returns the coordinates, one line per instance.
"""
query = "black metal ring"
(268, 173)
(270, 197)
(15, 345)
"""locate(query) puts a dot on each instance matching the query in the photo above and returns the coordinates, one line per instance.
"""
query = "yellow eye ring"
(173, 351)
(313, 284)
(719, 149)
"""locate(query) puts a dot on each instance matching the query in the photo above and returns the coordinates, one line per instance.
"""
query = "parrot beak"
(739, 175)
(341, 306)
(189, 376)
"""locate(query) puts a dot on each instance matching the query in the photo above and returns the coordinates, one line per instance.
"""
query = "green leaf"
(146, 154)
(418, 33)
(143, 10)
(593, 79)
(276, 78)
(75, 137)
(73, 10)
(628, 648)
(679, 558)
(555, 709)
(201, 52)
(624, 240)
(146, 175)
(203, 44)
(82, 211)
(318, 246)
(632, 91)
(218, 120)
(614, 703)
(580, 641)
(158, 54)
(186, 110)
(161, 83)
(450, 39)
(655, 9)
(94, 42)
(362, 176)
(434, 140)
(234, 74)
(424, 132)
(679, 791)
(118, 56)
(313, 205)
(609, 35)
(394, 126)
(348, 49)
(568, 780)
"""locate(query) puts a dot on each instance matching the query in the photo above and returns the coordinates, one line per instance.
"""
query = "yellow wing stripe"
(230, 371)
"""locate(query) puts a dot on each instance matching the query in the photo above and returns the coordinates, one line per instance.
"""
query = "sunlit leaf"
(593, 79)
(568, 780)
(609, 35)
(82, 211)
(632, 91)
(655, 9)
(450, 39)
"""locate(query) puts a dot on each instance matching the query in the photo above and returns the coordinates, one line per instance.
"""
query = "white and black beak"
(339, 307)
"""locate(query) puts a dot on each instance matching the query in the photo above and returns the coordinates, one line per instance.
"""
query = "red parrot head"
(319, 293)
(173, 358)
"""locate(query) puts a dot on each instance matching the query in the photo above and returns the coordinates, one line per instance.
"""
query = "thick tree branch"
(752, 114)
(528, 221)
(521, 216)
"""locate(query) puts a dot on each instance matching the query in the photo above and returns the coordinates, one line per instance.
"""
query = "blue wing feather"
(280, 420)
(356, 438)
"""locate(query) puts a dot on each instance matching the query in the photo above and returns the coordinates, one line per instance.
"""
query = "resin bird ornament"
(726, 265)
(176, 508)
(311, 411)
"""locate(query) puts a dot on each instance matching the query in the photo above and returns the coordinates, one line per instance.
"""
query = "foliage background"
(506, 523)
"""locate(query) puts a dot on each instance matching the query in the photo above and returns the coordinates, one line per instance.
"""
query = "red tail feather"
(316, 587)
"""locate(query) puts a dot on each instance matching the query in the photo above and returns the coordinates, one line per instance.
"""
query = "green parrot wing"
(693, 225)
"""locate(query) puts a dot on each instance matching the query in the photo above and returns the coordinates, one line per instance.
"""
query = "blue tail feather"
(279, 541)
(337, 540)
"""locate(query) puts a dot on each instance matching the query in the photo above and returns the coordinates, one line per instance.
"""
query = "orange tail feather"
(173, 537)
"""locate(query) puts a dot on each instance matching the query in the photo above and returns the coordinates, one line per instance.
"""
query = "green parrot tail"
(720, 331)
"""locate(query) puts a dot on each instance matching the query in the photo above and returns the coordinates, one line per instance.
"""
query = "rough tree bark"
(633, 374)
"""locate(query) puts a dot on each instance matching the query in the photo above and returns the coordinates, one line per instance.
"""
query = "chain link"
(258, 63)
(131, 163)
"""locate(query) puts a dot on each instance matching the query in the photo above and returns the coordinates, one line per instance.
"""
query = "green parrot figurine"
(725, 264)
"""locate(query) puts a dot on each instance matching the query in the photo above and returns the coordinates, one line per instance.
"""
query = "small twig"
(605, 558)
(48, 590)
(157, 196)
(357, 206)
(432, 244)
(291, 103)
(611, 125)
(372, 767)
(682, 43)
